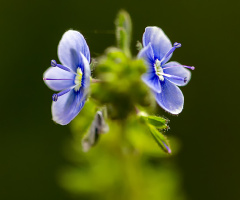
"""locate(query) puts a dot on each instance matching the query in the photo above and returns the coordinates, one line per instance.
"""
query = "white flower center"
(78, 79)
(158, 70)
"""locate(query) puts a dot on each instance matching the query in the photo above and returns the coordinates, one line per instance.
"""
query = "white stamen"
(78, 79)
(158, 70)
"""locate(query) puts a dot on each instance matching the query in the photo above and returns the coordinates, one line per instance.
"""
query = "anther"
(177, 45)
(185, 80)
(55, 97)
(53, 63)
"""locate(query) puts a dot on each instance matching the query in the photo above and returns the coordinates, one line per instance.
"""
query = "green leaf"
(124, 31)
(160, 139)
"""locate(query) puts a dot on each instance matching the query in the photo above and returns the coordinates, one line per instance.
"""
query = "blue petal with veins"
(71, 78)
(163, 78)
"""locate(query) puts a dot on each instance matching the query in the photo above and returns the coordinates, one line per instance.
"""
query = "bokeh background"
(31, 145)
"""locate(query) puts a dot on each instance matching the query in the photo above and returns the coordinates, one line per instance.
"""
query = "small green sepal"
(160, 139)
(158, 122)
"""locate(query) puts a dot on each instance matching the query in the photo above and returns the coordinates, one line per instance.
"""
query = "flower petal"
(159, 41)
(85, 67)
(66, 108)
(152, 81)
(171, 98)
(56, 73)
(150, 78)
(177, 71)
(147, 54)
(70, 47)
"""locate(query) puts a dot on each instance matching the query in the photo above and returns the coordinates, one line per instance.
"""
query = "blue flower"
(72, 78)
(163, 78)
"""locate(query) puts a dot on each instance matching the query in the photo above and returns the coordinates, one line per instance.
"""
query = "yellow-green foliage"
(126, 163)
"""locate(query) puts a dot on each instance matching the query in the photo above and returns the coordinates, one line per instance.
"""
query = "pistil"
(55, 79)
(185, 66)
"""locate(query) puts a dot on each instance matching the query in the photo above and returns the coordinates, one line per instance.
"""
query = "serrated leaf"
(158, 122)
(160, 139)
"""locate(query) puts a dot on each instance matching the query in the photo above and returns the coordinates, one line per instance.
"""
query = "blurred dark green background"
(31, 145)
